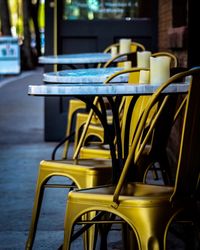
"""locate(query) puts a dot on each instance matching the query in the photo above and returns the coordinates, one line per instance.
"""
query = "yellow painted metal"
(97, 130)
(77, 105)
(149, 209)
(134, 47)
(83, 119)
(138, 109)
(74, 106)
(86, 152)
(87, 173)
(117, 57)
(94, 130)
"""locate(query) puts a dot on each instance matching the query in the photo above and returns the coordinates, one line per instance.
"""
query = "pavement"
(22, 147)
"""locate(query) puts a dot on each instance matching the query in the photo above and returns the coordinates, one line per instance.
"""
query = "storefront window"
(100, 9)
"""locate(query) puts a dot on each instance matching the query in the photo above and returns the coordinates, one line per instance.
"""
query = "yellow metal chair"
(75, 105)
(147, 209)
(86, 152)
(85, 173)
(81, 117)
(90, 129)
(133, 48)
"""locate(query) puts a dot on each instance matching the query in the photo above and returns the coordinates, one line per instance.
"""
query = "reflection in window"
(100, 9)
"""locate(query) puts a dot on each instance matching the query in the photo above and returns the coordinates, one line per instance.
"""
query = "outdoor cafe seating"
(100, 125)
(125, 48)
(140, 133)
(85, 173)
(95, 129)
(147, 209)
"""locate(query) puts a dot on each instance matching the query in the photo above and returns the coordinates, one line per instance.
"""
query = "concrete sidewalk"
(21, 149)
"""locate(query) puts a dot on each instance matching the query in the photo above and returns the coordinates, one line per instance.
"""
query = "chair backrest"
(134, 47)
(187, 176)
(130, 110)
(139, 104)
(131, 56)
(174, 59)
(142, 102)
(124, 110)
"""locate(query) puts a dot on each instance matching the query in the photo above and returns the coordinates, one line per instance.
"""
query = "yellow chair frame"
(149, 209)
(86, 152)
(75, 105)
(134, 47)
(83, 173)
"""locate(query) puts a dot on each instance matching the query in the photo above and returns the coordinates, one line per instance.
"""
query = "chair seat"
(134, 194)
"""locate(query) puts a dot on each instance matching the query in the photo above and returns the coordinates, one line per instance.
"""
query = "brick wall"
(164, 23)
(164, 26)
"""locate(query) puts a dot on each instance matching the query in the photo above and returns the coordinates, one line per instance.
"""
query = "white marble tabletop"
(100, 89)
(81, 58)
(91, 75)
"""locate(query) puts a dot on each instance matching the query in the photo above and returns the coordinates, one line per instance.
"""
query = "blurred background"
(24, 20)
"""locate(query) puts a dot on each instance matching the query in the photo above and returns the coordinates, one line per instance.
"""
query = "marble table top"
(91, 75)
(81, 58)
(100, 89)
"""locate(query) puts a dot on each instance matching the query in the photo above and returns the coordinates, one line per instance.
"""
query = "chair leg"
(89, 235)
(43, 177)
(36, 209)
(68, 230)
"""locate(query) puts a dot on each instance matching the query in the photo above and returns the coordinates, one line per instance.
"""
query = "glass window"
(100, 9)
